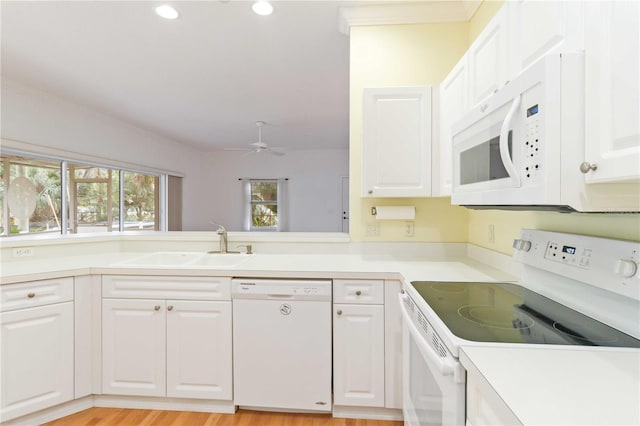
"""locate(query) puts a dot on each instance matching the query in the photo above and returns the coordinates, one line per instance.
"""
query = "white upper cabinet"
(544, 27)
(489, 59)
(453, 105)
(396, 145)
(612, 97)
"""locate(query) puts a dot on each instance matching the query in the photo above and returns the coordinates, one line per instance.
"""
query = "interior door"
(345, 204)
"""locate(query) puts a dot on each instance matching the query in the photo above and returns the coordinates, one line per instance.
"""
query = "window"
(264, 204)
(96, 198)
(31, 195)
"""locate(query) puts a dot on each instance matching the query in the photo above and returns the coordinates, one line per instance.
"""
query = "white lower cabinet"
(358, 355)
(165, 347)
(133, 347)
(199, 354)
(37, 359)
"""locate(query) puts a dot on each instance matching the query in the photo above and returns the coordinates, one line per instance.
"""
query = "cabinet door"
(358, 355)
(545, 27)
(453, 106)
(199, 349)
(612, 97)
(37, 358)
(133, 347)
(490, 62)
(396, 151)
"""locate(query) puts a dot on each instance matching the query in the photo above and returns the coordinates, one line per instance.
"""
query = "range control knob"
(625, 268)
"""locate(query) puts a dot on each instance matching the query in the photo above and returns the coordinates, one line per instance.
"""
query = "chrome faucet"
(222, 232)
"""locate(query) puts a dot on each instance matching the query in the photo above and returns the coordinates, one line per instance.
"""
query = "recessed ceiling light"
(262, 7)
(167, 12)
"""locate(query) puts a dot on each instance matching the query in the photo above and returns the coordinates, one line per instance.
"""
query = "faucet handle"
(249, 248)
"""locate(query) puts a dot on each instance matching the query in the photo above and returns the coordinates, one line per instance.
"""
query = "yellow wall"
(401, 55)
(507, 224)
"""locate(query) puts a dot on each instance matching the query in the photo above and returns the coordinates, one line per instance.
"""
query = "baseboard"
(52, 413)
(368, 413)
(171, 404)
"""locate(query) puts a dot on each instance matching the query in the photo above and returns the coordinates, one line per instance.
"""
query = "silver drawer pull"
(339, 312)
(170, 308)
(358, 293)
(156, 308)
(31, 295)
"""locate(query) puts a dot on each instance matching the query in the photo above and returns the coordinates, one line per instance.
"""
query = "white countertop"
(452, 268)
(560, 386)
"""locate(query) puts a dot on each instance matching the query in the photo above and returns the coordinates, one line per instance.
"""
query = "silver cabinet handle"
(484, 107)
(339, 312)
(586, 167)
(156, 308)
(170, 308)
(370, 191)
(31, 295)
(358, 293)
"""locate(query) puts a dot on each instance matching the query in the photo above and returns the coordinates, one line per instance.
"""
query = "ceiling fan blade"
(238, 149)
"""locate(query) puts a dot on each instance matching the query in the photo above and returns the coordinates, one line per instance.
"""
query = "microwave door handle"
(504, 143)
(443, 364)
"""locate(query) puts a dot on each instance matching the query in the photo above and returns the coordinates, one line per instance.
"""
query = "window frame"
(160, 197)
(249, 203)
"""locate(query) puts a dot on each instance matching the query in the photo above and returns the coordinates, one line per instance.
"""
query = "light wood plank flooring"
(121, 416)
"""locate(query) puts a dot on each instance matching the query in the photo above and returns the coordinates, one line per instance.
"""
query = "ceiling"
(203, 79)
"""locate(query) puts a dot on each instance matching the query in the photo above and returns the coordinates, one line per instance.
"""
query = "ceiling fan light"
(262, 7)
(167, 12)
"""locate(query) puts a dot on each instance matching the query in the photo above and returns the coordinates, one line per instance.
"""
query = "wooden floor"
(121, 416)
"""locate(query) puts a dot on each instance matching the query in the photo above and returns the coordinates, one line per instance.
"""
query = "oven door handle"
(504, 143)
(444, 366)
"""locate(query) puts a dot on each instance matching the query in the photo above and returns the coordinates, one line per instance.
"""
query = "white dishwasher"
(282, 344)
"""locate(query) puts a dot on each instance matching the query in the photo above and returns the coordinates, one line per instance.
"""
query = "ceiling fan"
(258, 147)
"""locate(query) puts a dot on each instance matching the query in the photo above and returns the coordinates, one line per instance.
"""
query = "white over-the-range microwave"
(523, 147)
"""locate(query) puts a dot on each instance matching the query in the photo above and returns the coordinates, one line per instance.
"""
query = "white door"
(612, 98)
(490, 64)
(199, 349)
(453, 106)
(345, 204)
(396, 142)
(37, 358)
(358, 355)
(133, 347)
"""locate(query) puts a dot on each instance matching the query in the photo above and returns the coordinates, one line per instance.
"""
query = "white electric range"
(575, 291)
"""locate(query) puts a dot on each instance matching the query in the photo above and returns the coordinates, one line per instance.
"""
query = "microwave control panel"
(531, 151)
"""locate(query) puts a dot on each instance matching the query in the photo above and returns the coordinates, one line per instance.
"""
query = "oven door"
(433, 381)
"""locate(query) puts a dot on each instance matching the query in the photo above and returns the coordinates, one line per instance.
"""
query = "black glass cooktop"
(509, 313)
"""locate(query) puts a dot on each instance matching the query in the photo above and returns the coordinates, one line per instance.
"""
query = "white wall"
(314, 186)
(38, 118)
(211, 190)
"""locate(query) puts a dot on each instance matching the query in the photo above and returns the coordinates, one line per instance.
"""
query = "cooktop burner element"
(492, 316)
(509, 313)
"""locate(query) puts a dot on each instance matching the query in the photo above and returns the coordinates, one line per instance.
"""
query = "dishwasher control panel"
(250, 288)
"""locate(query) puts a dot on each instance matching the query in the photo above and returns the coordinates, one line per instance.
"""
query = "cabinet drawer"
(36, 293)
(358, 291)
(153, 287)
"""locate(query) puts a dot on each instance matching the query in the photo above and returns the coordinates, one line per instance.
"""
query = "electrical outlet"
(491, 234)
(23, 252)
(408, 229)
(372, 229)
